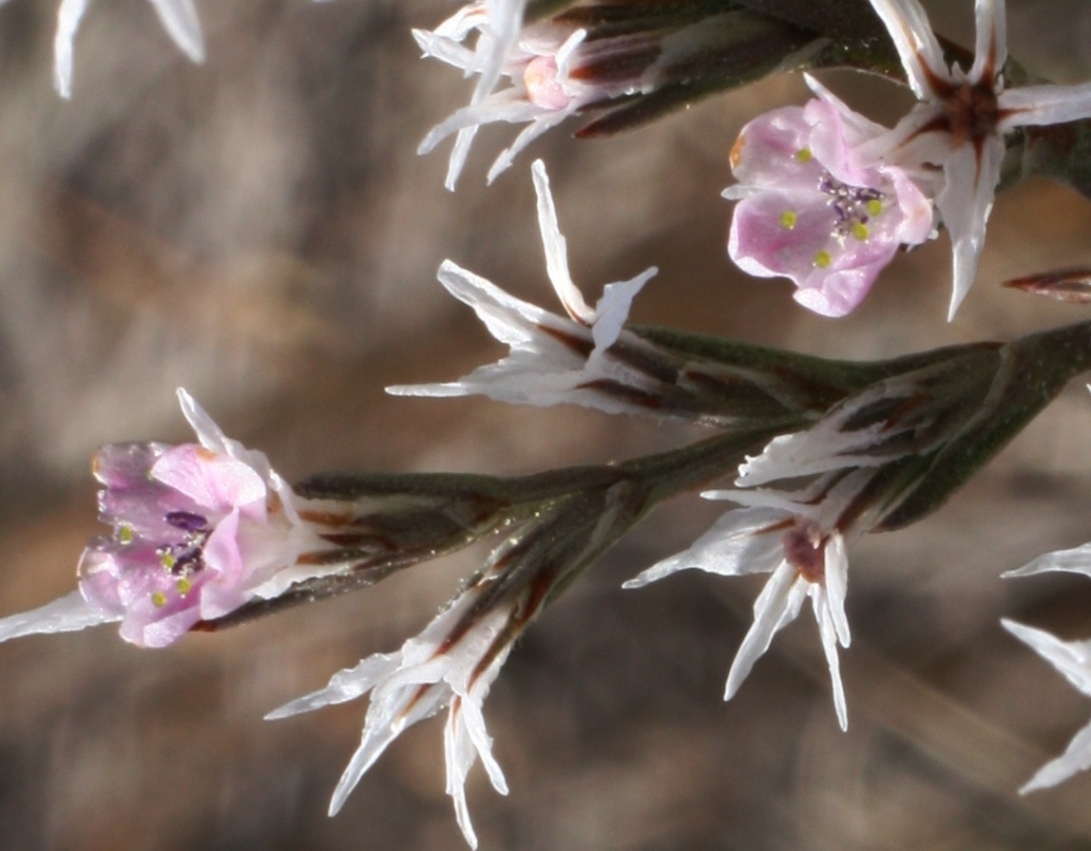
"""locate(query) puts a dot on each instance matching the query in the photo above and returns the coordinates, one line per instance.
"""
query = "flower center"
(544, 87)
(854, 206)
(185, 557)
(972, 112)
(805, 550)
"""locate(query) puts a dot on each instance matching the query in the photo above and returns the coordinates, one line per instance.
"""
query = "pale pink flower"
(198, 530)
(961, 121)
(179, 19)
(811, 210)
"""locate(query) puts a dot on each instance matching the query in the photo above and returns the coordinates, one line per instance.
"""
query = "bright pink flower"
(198, 530)
(183, 517)
(809, 210)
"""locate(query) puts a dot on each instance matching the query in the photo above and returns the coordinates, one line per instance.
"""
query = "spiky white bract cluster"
(553, 359)
(800, 536)
(1071, 658)
(451, 665)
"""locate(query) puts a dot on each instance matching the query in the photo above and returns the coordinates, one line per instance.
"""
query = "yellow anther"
(159, 599)
(125, 534)
(804, 155)
(860, 231)
(184, 586)
(788, 219)
(874, 207)
(167, 560)
(822, 259)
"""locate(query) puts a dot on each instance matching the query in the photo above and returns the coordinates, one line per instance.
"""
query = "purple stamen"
(187, 521)
(849, 203)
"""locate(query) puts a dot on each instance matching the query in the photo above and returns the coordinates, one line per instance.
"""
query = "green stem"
(1035, 369)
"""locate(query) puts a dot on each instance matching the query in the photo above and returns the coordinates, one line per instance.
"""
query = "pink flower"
(177, 554)
(810, 210)
(198, 530)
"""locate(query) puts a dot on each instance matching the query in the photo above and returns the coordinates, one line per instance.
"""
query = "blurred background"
(260, 230)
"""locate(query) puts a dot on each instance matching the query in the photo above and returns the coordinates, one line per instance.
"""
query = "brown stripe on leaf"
(621, 391)
(577, 344)
(1071, 285)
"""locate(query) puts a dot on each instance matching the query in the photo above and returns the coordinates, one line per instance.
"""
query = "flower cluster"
(553, 359)
(205, 535)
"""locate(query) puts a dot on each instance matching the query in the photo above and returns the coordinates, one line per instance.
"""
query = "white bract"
(179, 19)
(795, 536)
(800, 536)
(1071, 658)
(449, 665)
(961, 121)
(553, 359)
(498, 24)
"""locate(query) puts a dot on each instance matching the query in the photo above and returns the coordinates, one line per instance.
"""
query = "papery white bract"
(497, 23)
(796, 536)
(179, 19)
(1073, 660)
(451, 664)
(961, 121)
(801, 536)
(542, 61)
(811, 210)
(553, 359)
(198, 530)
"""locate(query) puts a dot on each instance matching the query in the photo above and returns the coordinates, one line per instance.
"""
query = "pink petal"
(839, 293)
(830, 148)
(226, 568)
(767, 152)
(761, 245)
(152, 629)
(211, 480)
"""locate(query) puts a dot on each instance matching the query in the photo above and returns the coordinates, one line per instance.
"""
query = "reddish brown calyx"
(805, 550)
(972, 112)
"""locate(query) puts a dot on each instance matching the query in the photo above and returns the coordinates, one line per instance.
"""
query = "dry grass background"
(260, 230)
